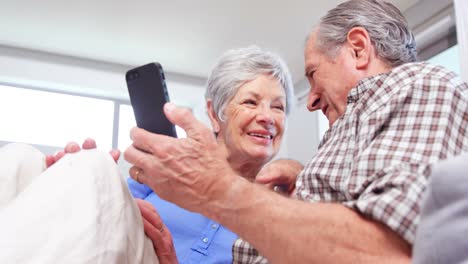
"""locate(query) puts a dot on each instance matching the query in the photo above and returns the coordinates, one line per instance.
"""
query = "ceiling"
(187, 37)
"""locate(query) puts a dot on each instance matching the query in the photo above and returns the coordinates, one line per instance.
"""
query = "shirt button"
(214, 226)
(205, 240)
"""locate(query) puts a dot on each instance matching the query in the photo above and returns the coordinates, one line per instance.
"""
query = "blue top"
(197, 239)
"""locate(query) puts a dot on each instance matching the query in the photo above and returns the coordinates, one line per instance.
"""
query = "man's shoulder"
(425, 71)
(412, 86)
(424, 77)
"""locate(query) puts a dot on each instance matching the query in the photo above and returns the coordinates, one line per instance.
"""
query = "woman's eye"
(250, 102)
(279, 107)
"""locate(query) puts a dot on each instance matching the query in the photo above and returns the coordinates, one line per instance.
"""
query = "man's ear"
(359, 42)
(212, 115)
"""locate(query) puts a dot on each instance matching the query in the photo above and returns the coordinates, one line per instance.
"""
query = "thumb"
(263, 179)
(185, 119)
(269, 179)
(267, 174)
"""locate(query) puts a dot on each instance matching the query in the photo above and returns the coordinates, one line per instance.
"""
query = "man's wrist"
(228, 197)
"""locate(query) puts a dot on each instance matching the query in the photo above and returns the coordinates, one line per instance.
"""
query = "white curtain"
(461, 12)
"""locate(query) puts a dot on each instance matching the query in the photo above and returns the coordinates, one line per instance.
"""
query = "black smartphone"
(148, 94)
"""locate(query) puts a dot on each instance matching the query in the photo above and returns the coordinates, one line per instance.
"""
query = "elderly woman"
(248, 96)
(79, 210)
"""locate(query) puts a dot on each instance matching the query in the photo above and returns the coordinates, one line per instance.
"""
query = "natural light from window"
(448, 58)
(54, 119)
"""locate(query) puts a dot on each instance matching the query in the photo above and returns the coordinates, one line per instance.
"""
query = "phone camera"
(133, 75)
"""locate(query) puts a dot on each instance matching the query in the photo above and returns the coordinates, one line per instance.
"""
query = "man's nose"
(313, 101)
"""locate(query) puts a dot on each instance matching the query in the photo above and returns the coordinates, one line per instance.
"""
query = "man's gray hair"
(387, 27)
(238, 66)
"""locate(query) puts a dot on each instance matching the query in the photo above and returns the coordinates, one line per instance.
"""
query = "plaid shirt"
(376, 158)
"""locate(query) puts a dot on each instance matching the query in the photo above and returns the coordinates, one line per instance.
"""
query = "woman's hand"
(280, 175)
(158, 233)
(74, 147)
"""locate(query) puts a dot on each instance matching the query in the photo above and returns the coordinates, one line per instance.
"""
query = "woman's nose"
(265, 115)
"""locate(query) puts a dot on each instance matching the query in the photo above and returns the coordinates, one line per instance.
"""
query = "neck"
(378, 66)
(247, 169)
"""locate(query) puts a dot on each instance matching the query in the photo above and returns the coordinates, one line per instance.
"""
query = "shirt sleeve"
(138, 190)
(393, 198)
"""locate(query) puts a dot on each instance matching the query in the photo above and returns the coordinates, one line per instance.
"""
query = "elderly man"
(358, 200)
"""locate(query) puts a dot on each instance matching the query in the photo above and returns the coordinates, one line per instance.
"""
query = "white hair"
(237, 66)
(386, 25)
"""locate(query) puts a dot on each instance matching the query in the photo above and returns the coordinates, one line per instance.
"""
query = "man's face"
(330, 79)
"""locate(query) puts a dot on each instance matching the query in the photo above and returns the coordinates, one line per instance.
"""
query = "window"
(53, 119)
(448, 58)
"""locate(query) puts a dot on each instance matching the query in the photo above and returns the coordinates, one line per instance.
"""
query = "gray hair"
(237, 66)
(387, 27)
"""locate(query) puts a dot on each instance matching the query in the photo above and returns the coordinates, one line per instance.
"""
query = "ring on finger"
(137, 174)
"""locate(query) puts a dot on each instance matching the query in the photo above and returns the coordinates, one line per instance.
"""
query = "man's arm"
(194, 174)
(291, 231)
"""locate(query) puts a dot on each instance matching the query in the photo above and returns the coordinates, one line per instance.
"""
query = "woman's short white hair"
(238, 66)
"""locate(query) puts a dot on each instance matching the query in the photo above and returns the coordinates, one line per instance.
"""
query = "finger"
(89, 143)
(72, 147)
(59, 155)
(115, 153)
(50, 160)
(146, 141)
(154, 228)
(145, 204)
(154, 234)
(151, 215)
(264, 178)
(140, 152)
(185, 119)
(136, 173)
(271, 179)
(268, 185)
(279, 184)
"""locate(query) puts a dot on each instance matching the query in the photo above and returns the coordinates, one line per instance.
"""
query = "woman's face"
(255, 121)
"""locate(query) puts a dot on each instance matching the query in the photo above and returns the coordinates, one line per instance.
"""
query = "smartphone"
(148, 94)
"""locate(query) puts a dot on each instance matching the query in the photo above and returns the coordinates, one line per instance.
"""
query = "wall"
(304, 128)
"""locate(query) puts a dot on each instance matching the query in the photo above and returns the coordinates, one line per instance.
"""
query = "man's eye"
(311, 74)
